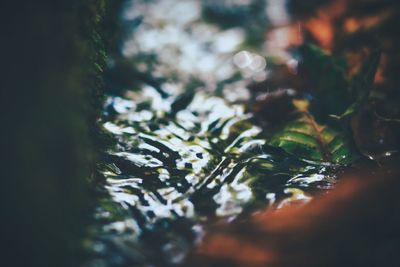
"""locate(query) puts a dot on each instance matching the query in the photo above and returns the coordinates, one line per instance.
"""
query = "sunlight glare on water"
(194, 155)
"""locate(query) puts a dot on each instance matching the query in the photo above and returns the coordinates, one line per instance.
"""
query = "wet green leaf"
(334, 94)
(329, 85)
(305, 137)
(361, 84)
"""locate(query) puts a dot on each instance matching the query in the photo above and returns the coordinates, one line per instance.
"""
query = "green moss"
(53, 56)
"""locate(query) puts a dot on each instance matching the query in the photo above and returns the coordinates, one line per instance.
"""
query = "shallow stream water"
(187, 151)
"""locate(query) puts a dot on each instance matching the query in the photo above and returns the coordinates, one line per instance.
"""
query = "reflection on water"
(185, 46)
(189, 154)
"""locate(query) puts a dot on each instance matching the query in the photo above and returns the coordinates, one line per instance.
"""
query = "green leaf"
(333, 94)
(329, 85)
(304, 137)
(361, 84)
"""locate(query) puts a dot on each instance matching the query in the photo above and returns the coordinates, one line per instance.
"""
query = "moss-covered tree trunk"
(51, 58)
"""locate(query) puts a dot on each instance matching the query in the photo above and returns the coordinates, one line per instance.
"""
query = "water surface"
(187, 151)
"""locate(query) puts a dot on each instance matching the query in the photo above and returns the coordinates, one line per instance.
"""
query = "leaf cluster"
(318, 127)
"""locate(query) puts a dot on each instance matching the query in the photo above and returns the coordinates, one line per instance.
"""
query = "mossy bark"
(51, 93)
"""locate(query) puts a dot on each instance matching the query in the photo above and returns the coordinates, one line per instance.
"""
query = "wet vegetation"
(203, 134)
(168, 133)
